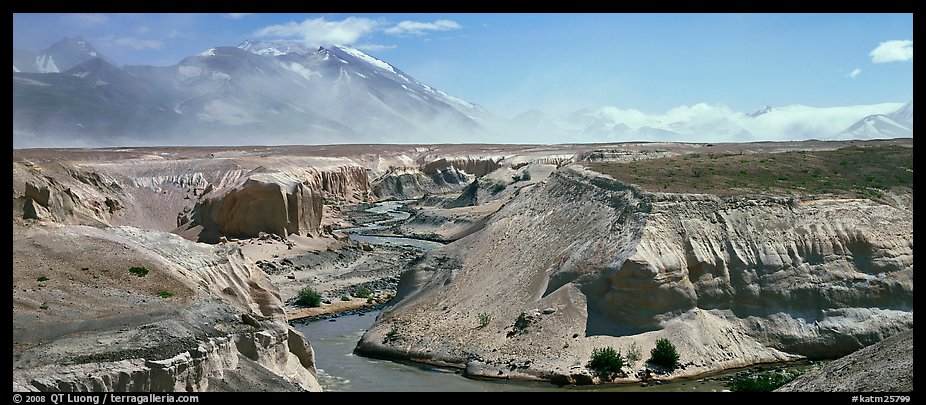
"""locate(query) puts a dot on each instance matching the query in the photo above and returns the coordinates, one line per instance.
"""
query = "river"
(390, 208)
(339, 369)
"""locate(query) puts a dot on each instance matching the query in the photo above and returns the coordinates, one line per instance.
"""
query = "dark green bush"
(308, 297)
(165, 294)
(606, 360)
(363, 292)
(664, 354)
(41, 278)
(138, 271)
(484, 319)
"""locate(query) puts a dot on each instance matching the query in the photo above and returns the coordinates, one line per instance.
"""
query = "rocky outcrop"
(433, 175)
(222, 316)
(886, 366)
(477, 167)
(268, 202)
(467, 198)
(411, 183)
(732, 281)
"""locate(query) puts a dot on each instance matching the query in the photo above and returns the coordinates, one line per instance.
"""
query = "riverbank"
(344, 370)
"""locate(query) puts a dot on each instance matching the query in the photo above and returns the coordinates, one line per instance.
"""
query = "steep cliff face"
(343, 182)
(202, 314)
(433, 175)
(406, 183)
(582, 261)
(267, 202)
(476, 166)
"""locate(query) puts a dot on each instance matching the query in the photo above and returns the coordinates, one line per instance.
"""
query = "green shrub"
(165, 294)
(139, 271)
(393, 332)
(664, 354)
(498, 187)
(362, 292)
(41, 278)
(606, 360)
(308, 297)
(345, 298)
(484, 319)
(763, 382)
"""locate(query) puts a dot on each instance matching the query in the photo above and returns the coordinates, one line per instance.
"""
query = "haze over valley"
(273, 202)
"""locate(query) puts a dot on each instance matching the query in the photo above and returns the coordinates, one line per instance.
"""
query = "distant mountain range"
(258, 92)
(281, 92)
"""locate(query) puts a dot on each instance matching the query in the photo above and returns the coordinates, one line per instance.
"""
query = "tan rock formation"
(731, 281)
(267, 202)
(101, 328)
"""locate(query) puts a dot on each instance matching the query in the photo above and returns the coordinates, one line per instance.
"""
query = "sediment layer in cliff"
(583, 261)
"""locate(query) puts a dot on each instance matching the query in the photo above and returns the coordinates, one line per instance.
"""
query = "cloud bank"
(893, 51)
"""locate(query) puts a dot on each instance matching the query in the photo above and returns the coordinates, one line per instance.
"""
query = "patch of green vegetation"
(855, 172)
(484, 319)
(345, 298)
(606, 360)
(308, 297)
(138, 271)
(392, 334)
(664, 354)
(41, 279)
(363, 292)
(762, 382)
(165, 294)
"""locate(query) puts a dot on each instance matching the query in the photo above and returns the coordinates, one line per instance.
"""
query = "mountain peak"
(273, 48)
(765, 110)
(359, 55)
(59, 57)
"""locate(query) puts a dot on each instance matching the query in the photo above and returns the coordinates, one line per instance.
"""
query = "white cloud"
(704, 122)
(893, 51)
(419, 27)
(237, 16)
(144, 29)
(854, 73)
(373, 47)
(134, 43)
(86, 19)
(318, 31)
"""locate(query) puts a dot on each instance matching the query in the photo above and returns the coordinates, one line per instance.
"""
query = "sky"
(557, 63)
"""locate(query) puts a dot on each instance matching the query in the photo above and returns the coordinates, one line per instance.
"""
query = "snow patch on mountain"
(366, 58)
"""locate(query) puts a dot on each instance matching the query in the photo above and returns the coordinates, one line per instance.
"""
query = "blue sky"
(557, 62)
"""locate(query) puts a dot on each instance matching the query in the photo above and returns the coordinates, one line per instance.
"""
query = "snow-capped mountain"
(903, 116)
(717, 123)
(896, 124)
(257, 92)
(281, 92)
(58, 57)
